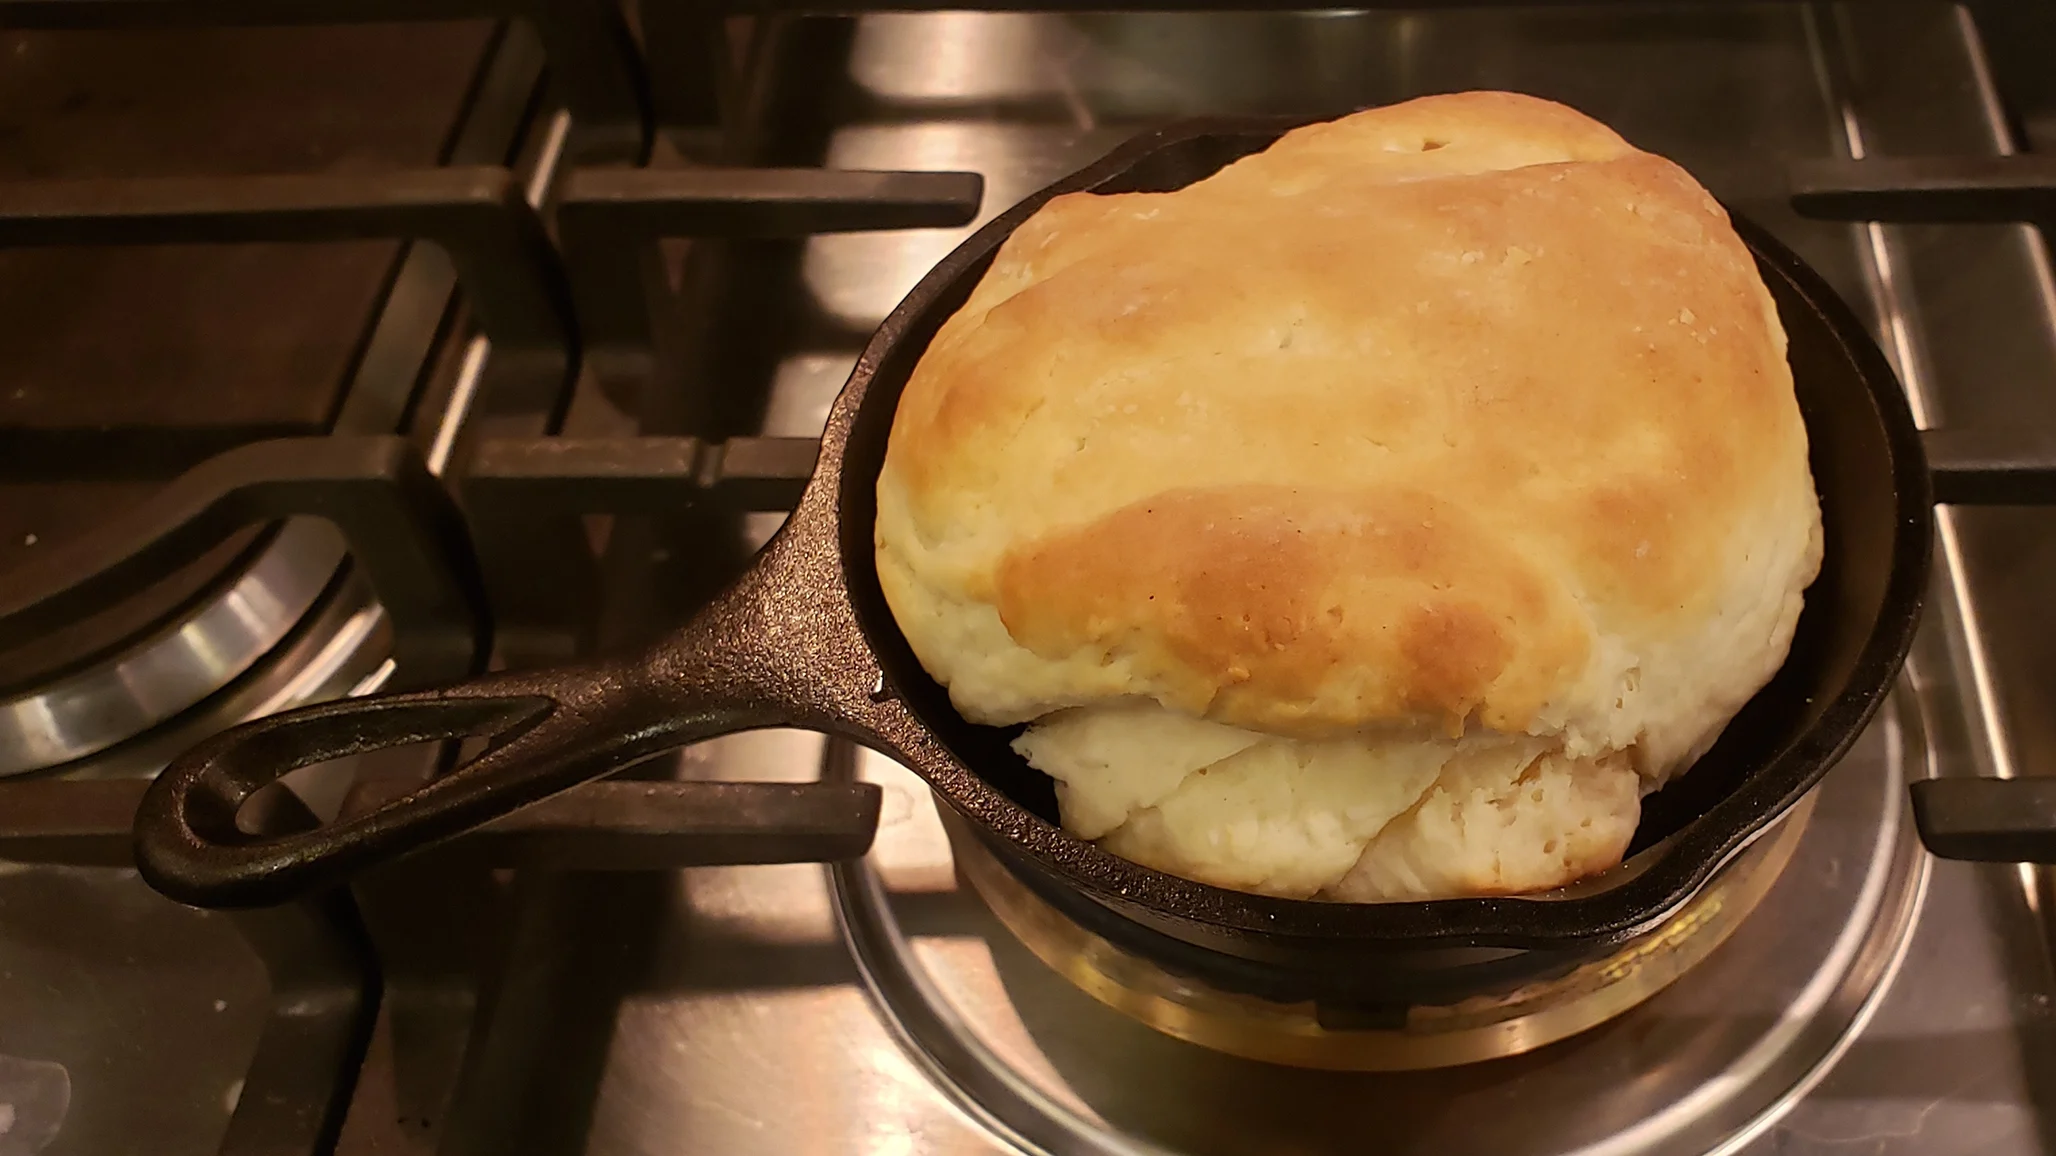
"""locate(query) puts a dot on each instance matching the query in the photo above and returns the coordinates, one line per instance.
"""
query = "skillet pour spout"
(804, 639)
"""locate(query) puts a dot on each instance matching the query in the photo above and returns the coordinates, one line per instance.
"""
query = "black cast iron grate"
(540, 300)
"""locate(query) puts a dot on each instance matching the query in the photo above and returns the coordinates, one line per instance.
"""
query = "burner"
(1480, 1028)
(237, 342)
(1694, 1038)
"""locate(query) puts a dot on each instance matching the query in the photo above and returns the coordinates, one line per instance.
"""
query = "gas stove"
(360, 345)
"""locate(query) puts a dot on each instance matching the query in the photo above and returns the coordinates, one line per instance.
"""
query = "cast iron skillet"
(804, 639)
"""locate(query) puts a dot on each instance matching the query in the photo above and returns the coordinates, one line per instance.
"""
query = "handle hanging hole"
(313, 796)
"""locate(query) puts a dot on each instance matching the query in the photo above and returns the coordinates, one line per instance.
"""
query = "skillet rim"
(1163, 902)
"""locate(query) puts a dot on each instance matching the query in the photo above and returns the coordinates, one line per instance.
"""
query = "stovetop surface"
(722, 1010)
(1957, 1057)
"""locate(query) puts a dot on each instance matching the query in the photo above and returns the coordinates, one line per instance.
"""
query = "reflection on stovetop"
(882, 1007)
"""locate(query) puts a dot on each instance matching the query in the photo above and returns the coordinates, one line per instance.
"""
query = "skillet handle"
(780, 647)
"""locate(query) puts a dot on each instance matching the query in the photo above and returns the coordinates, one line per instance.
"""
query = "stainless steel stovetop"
(1876, 1002)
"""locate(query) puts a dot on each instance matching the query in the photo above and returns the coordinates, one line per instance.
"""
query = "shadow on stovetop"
(580, 942)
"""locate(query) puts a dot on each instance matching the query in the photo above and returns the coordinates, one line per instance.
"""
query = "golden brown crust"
(1262, 606)
(1362, 431)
